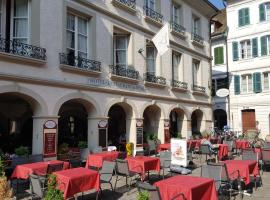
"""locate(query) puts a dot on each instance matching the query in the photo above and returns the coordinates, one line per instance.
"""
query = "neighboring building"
(249, 64)
(98, 75)
(219, 69)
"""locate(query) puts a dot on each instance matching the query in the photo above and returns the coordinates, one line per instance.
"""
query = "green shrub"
(53, 193)
(22, 151)
(143, 195)
(82, 144)
(63, 148)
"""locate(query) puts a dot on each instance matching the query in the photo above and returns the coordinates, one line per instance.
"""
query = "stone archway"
(178, 123)
(196, 122)
(220, 119)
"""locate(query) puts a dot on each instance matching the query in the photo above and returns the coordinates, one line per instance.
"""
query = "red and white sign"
(49, 132)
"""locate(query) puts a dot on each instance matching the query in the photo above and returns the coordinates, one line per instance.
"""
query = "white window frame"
(12, 22)
(176, 78)
(245, 49)
(196, 71)
(196, 24)
(176, 10)
(151, 4)
(267, 11)
(268, 80)
(154, 59)
(248, 88)
(76, 32)
(126, 49)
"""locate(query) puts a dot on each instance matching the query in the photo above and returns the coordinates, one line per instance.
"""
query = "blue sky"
(217, 3)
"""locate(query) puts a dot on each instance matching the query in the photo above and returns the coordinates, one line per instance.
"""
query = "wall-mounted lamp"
(140, 50)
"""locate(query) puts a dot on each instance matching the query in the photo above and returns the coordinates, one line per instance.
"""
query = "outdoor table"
(143, 164)
(164, 147)
(197, 143)
(76, 180)
(223, 150)
(192, 187)
(245, 167)
(241, 144)
(39, 168)
(96, 159)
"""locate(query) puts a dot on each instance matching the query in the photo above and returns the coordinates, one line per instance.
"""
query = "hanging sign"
(179, 152)
(49, 139)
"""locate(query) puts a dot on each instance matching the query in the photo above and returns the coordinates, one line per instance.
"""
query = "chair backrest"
(205, 149)
(122, 167)
(36, 186)
(75, 163)
(19, 161)
(106, 171)
(266, 145)
(165, 158)
(230, 144)
(84, 154)
(249, 154)
(36, 158)
(153, 191)
(97, 149)
(55, 167)
(152, 145)
(192, 146)
(266, 155)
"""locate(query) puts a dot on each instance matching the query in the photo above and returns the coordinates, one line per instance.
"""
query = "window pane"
(70, 39)
(249, 83)
(71, 22)
(265, 81)
(176, 61)
(244, 84)
(21, 8)
(150, 60)
(20, 28)
(120, 56)
(82, 43)
(82, 54)
(120, 42)
(82, 26)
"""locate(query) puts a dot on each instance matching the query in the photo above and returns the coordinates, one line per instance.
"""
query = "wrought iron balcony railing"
(153, 14)
(21, 49)
(124, 72)
(79, 62)
(179, 84)
(128, 3)
(197, 38)
(178, 28)
(197, 88)
(149, 77)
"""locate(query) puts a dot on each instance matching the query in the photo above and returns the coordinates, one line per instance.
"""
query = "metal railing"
(178, 28)
(125, 72)
(79, 62)
(128, 3)
(149, 77)
(22, 49)
(153, 14)
(197, 88)
(197, 38)
(179, 84)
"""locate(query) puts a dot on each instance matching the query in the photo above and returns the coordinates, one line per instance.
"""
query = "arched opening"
(16, 121)
(176, 122)
(220, 119)
(151, 121)
(196, 122)
(72, 124)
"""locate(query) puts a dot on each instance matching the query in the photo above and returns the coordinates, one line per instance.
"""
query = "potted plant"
(129, 148)
(144, 195)
(63, 151)
(5, 190)
(22, 151)
(53, 193)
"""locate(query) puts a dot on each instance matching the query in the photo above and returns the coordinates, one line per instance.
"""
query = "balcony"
(154, 81)
(130, 5)
(197, 40)
(198, 90)
(124, 74)
(179, 85)
(152, 16)
(73, 63)
(22, 51)
(178, 29)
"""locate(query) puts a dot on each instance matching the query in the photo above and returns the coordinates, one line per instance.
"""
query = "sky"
(217, 3)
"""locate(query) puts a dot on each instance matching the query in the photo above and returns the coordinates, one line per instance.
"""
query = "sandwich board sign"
(179, 152)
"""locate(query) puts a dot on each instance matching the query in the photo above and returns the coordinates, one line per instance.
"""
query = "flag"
(161, 39)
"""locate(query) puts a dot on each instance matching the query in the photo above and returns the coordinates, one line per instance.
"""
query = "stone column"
(162, 129)
(187, 131)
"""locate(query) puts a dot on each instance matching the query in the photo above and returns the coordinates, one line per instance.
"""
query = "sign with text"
(102, 132)
(49, 133)
(179, 152)
(139, 133)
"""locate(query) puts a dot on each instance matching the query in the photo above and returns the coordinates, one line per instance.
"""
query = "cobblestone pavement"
(121, 193)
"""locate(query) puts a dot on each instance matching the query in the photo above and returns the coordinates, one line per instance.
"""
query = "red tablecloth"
(193, 188)
(39, 168)
(197, 143)
(75, 180)
(222, 150)
(96, 159)
(245, 167)
(143, 164)
(163, 147)
(241, 144)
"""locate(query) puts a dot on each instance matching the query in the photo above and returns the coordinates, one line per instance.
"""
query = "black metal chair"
(36, 158)
(54, 168)
(38, 188)
(152, 149)
(205, 150)
(165, 161)
(265, 158)
(230, 144)
(106, 173)
(75, 163)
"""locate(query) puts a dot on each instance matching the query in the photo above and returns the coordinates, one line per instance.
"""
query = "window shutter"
(262, 12)
(216, 55)
(247, 21)
(235, 51)
(255, 47)
(257, 87)
(263, 46)
(221, 55)
(240, 18)
(236, 84)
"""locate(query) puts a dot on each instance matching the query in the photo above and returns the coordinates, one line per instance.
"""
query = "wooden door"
(248, 120)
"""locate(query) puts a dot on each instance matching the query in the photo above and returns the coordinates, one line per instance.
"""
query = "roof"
(220, 21)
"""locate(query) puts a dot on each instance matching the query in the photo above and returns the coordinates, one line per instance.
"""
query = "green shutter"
(218, 51)
(235, 50)
(257, 86)
(240, 18)
(263, 46)
(255, 47)
(221, 55)
(216, 55)
(236, 84)
(262, 12)
(247, 21)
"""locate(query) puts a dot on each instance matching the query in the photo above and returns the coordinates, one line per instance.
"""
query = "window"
(151, 59)
(120, 50)
(265, 45)
(196, 25)
(266, 81)
(219, 84)
(176, 13)
(246, 83)
(264, 12)
(176, 58)
(245, 49)
(196, 69)
(218, 55)
(150, 4)
(77, 36)
(243, 17)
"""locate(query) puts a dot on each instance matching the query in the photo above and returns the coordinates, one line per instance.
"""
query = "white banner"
(162, 40)
(179, 152)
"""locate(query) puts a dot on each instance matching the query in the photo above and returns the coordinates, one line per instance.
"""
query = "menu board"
(179, 152)
(102, 132)
(139, 133)
(49, 132)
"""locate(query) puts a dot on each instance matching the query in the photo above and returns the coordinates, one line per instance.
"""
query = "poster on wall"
(179, 152)
(49, 132)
